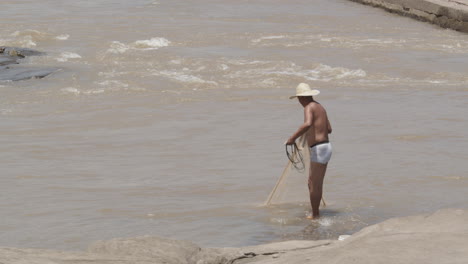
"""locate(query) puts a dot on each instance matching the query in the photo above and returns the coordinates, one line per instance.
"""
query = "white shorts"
(321, 152)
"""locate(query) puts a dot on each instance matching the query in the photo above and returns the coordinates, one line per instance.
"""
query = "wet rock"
(9, 71)
(444, 13)
(22, 51)
(440, 238)
(18, 73)
(6, 60)
(163, 250)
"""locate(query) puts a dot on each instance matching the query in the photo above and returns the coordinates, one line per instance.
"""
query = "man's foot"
(311, 217)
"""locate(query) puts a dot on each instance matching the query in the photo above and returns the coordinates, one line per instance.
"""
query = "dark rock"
(13, 55)
(23, 51)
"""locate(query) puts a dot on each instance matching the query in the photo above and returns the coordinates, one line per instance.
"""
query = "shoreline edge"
(452, 14)
(440, 237)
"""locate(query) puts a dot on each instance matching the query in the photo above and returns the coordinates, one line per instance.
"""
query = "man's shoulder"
(314, 105)
(316, 108)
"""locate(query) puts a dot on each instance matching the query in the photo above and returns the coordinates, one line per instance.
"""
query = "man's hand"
(290, 141)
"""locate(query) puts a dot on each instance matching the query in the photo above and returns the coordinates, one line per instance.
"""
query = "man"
(317, 127)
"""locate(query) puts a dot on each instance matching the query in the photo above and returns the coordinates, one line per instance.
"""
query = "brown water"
(168, 118)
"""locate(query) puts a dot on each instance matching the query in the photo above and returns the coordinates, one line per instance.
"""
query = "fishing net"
(292, 185)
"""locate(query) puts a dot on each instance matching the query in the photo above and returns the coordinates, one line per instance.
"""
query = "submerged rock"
(18, 73)
(6, 60)
(10, 71)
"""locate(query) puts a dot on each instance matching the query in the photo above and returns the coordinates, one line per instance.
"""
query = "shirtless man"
(317, 127)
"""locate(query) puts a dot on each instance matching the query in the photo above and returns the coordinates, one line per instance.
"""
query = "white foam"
(75, 91)
(224, 67)
(343, 237)
(325, 221)
(281, 221)
(385, 41)
(65, 56)
(98, 91)
(28, 38)
(27, 32)
(299, 44)
(267, 38)
(153, 43)
(327, 73)
(246, 62)
(182, 77)
(62, 37)
(113, 83)
(71, 90)
(117, 47)
(320, 73)
(28, 43)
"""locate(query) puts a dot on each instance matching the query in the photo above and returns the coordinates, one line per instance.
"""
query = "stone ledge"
(440, 237)
(451, 14)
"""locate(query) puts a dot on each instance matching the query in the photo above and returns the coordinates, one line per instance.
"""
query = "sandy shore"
(445, 13)
(441, 237)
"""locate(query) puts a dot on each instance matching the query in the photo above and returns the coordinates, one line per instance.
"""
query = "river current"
(168, 118)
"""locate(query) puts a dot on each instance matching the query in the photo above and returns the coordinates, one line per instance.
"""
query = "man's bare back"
(320, 128)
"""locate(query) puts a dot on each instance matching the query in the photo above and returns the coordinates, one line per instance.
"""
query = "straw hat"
(303, 89)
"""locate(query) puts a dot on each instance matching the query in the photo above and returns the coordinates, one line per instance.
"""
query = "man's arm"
(329, 126)
(308, 121)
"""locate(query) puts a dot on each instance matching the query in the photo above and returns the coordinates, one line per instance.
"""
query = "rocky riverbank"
(445, 13)
(10, 70)
(441, 237)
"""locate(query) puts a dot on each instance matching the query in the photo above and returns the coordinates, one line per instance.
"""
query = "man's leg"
(316, 175)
